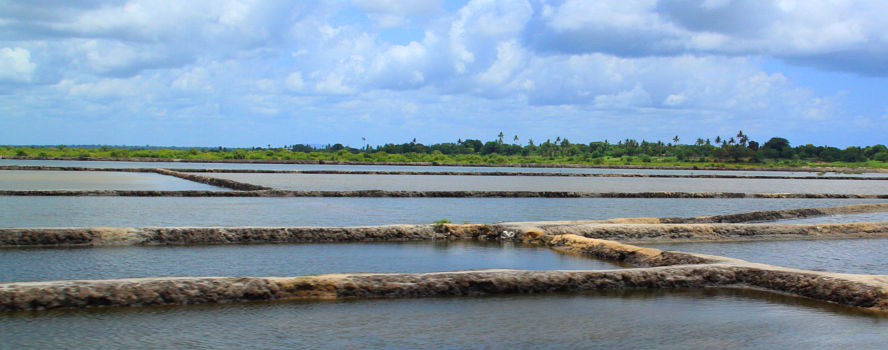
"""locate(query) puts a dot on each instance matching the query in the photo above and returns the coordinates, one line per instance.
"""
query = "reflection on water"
(630, 319)
(344, 182)
(94, 180)
(172, 211)
(281, 260)
(866, 256)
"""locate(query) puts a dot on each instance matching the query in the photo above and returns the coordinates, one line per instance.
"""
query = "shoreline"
(446, 164)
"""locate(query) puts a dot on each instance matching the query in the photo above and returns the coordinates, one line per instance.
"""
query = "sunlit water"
(281, 260)
(177, 211)
(346, 182)
(618, 320)
(865, 256)
(94, 180)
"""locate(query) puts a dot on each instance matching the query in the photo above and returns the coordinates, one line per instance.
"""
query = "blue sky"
(257, 72)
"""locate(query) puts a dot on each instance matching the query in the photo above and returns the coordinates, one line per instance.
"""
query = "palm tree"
(515, 139)
(500, 136)
(675, 139)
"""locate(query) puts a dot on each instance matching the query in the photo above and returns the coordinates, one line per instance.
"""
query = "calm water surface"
(866, 256)
(542, 183)
(94, 180)
(173, 211)
(281, 260)
(638, 319)
(186, 165)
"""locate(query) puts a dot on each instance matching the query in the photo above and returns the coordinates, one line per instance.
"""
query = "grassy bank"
(281, 154)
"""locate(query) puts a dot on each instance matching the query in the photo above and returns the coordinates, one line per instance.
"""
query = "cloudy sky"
(256, 72)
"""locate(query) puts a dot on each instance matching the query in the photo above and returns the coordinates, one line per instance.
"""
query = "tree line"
(737, 149)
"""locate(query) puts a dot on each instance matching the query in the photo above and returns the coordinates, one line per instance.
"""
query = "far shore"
(702, 166)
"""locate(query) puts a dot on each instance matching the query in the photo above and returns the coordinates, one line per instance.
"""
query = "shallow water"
(177, 211)
(341, 182)
(186, 165)
(632, 319)
(94, 180)
(281, 260)
(866, 256)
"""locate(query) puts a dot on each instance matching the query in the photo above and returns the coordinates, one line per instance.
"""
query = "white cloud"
(570, 61)
(294, 81)
(16, 65)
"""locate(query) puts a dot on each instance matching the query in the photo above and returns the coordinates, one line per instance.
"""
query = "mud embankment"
(854, 290)
(505, 165)
(782, 214)
(661, 233)
(646, 233)
(102, 236)
(431, 194)
(234, 185)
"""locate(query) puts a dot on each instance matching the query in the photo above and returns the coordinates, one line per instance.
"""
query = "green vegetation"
(439, 225)
(735, 151)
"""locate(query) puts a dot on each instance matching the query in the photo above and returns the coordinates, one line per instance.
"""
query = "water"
(281, 260)
(631, 319)
(545, 183)
(176, 211)
(865, 256)
(187, 165)
(94, 180)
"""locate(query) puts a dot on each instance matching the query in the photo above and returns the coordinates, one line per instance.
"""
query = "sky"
(264, 72)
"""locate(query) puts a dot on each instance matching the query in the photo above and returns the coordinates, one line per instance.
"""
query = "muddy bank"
(506, 165)
(431, 194)
(106, 236)
(646, 233)
(854, 290)
(234, 185)
(660, 233)
(771, 215)
(675, 270)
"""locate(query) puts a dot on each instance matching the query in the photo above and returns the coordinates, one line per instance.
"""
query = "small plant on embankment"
(440, 225)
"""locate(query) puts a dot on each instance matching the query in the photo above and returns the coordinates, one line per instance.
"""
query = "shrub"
(440, 225)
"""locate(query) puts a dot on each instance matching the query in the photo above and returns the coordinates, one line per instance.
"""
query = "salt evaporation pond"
(864, 256)
(349, 182)
(300, 167)
(629, 319)
(94, 180)
(263, 260)
(42, 211)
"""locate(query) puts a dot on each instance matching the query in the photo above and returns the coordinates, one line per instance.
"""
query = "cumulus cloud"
(837, 35)
(16, 65)
(566, 60)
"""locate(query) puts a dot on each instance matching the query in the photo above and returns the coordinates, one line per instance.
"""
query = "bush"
(881, 156)
(440, 225)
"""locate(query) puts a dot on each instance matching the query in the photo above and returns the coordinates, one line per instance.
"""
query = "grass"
(381, 157)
